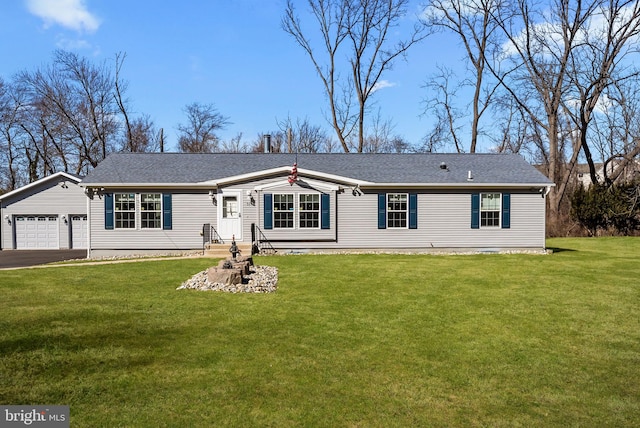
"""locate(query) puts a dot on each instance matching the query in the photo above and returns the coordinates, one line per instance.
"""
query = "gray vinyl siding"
(189, 212)
(299, 237)
(444, 222)
(47, 199)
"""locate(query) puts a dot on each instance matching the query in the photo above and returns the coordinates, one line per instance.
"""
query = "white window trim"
(138, 212)
(135, 211)
(319, 211)
(296, 211)
(273, 210)
(406, 226)
(499, 210)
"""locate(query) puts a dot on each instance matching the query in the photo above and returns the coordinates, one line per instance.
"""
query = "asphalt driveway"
(26, 258)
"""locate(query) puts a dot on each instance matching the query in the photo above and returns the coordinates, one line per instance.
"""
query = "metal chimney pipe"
(267, 143)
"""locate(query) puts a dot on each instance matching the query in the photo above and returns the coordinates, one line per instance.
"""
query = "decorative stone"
(224, 276)
(262, 279)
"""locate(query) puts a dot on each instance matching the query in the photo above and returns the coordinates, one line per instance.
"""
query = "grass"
(356, 341)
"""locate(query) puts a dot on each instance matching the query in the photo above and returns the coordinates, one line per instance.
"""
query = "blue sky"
(232, 53)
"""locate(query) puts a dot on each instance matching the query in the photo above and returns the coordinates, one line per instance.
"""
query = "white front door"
(230, 215)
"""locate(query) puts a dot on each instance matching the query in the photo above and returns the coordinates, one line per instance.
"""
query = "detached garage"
(47, 214)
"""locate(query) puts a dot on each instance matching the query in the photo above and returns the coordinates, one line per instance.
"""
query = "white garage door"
(37, 232)
(78, 231)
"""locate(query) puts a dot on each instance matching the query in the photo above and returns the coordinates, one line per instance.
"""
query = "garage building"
(48, 214)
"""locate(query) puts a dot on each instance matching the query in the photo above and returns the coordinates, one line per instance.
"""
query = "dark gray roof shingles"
(417, 168)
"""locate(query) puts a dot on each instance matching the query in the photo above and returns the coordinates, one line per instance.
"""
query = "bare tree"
(602, 61)
(10, 104)
(301, 136)
(540, 45)
(92, 88)
(616, 134)
(472, 21)
(67, 116)
(198, 135)
(363, 30)
(120, 87)
(512, 129)
(442, 105)
(72, 112)
(380, 136)
(561, 59)
(234, 145)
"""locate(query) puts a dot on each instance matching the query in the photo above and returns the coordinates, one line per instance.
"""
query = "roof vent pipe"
(267, 143)
(469, 176)
(443, 165)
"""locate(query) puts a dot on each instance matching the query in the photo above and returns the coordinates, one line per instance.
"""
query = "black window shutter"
(413, 211)
(108, 210)
(506, 210)
(268, 211)
(324, 211)
(166, 211)
(475, 210)
(382, 210)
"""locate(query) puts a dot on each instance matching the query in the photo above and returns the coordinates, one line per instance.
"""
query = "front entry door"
(230, 215)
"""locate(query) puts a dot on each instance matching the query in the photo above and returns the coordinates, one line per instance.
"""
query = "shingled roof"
(376, 169)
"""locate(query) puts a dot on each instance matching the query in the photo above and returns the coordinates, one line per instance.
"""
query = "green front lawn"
(357, 341)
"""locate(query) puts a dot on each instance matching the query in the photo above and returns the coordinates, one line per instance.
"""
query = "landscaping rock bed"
(261, 279)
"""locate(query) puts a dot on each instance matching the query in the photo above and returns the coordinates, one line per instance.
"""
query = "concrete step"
(222, 250)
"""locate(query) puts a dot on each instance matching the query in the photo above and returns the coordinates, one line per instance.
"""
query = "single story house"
(50, 213)
(166, 202)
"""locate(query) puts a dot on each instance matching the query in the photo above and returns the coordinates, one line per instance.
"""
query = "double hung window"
(125, 210)
(150, 211)
(309, 211)
(397, 209)
(283, 211)
(490, 210)
(297, 211)
(137, 211)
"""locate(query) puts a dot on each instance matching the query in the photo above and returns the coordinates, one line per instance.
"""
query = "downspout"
(88, 226)
(335, 216)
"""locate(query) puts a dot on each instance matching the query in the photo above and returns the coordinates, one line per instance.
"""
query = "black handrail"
(260, 244)
(210, 235)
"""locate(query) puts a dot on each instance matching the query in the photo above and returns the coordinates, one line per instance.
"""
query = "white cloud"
(546, 36)
(381, 85)
(72, 44)
(72, 14)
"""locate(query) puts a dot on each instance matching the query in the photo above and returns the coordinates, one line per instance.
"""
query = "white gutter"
(150, 185)
(464, 185)
(364, 184)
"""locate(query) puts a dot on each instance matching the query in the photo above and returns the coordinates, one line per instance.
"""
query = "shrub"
(601, 208)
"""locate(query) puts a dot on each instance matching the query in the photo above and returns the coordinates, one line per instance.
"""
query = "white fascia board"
(302, 173)
(57, 175)
(306, 184)
(331, 177)
(249, 176)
